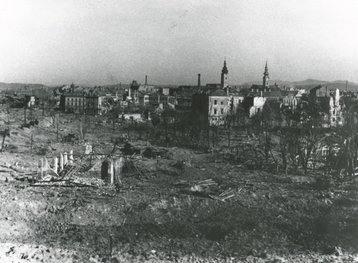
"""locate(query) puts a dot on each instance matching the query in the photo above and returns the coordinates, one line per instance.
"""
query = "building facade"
(335, 109)
(218, 107)
(258, 105)
(221, 105)
(79, 102)
(74, 102)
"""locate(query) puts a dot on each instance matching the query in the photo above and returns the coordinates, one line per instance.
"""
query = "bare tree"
(5, 133)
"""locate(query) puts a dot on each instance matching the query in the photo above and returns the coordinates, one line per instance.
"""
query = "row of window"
(79, 102)
(216, 111)
(74, 99)
(216, 102)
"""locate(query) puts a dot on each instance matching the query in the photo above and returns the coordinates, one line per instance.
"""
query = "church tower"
(265, 79)
(224, 76)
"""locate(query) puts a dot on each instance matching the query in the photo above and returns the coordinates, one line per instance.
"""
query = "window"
(215, 102)
(222, 103)
(222, 111)
(215, 111)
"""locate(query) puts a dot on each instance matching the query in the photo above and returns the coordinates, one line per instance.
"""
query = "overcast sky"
(96, 42)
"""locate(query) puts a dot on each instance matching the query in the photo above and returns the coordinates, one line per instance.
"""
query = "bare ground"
(154, 217)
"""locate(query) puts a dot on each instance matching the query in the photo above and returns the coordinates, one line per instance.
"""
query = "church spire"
(266, 77)
(225, 70)
(266, 69)
(224, 76)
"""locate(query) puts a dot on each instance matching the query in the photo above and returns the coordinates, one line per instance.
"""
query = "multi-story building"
(94, 104)
(221, 105)
(73, 102)
(218, 107)
(79, 102)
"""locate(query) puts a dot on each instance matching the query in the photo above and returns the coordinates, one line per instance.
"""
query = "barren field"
(174, 205)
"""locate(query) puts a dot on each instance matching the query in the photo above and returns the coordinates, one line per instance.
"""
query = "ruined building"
(335, 109)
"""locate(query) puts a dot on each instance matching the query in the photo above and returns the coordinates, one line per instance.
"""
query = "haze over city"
(94, 42)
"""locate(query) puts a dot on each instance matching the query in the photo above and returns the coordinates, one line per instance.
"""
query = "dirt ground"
(179, 206)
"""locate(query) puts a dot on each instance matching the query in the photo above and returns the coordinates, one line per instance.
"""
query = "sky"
(97, 42)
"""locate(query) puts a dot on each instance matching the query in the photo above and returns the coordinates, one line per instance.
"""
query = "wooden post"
(122, 162)
(61, 162)
(57, 118)
(31, 142)
(104, 170)
(55, 164)
(112, 171)
(25, 115)
(71, 157)
(65, 158)
(46, 166)
(42, 167)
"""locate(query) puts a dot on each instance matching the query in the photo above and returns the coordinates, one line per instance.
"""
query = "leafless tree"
(5, 133)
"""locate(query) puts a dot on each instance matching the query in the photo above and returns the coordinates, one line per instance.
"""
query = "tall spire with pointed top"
(225, 70)
(266, 77)
(224, 75)
(266, 69)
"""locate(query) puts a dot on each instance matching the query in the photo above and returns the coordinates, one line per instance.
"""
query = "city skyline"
(94, 43)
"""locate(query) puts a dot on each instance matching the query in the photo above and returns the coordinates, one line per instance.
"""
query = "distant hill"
(310, 83)
(20, 86)
(39, 90)
(331, 85)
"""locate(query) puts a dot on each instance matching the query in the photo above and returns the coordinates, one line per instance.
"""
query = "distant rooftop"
(218, 92)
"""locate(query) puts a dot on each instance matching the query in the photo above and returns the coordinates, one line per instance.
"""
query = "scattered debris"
(129, 149)
(227, 194)
(29, 124)
(70, 138)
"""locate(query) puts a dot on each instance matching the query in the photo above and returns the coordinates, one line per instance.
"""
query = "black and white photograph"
(178, 131)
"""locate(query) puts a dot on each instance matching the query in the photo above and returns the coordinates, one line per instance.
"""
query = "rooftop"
(218, 92)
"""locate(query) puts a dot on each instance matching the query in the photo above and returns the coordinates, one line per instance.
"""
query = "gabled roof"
(218, 92)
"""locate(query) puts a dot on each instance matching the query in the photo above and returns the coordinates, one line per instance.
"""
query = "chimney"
(326, 91)
(146, 80)
(199, 80)
(346, 85)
